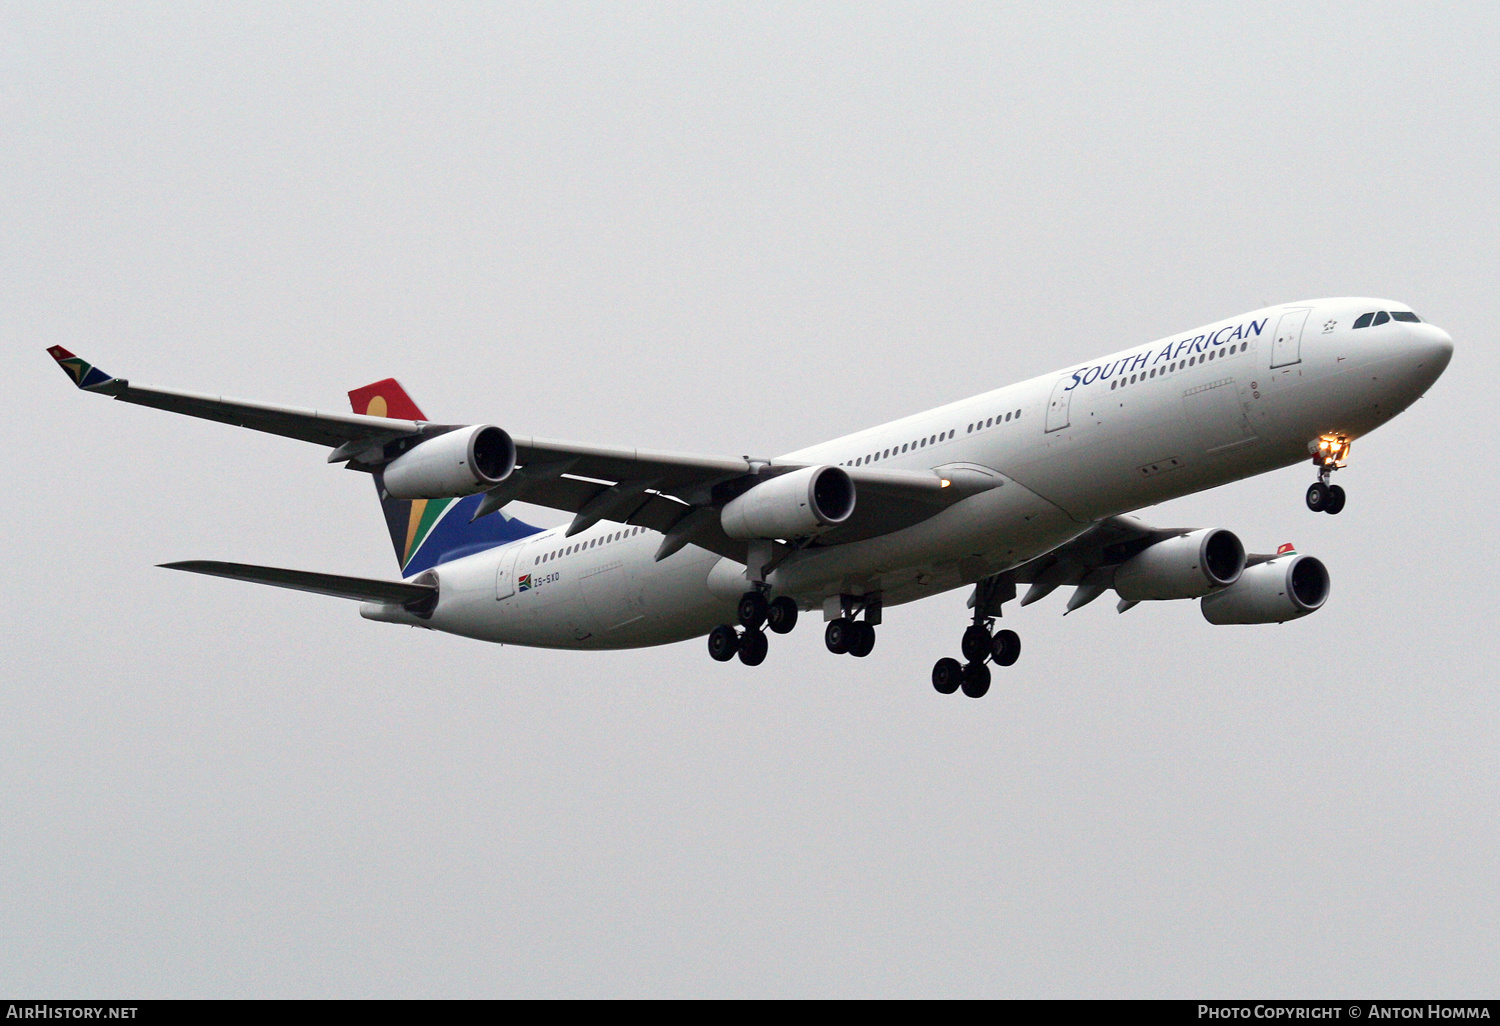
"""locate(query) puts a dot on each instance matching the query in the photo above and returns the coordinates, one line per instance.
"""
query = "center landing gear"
(845, 635)
(979, 646)
(1329, 453)
(750, 642)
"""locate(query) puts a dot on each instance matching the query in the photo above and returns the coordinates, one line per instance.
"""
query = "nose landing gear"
(1330, 452)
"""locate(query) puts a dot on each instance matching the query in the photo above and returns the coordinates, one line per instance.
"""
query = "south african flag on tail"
(426, 532)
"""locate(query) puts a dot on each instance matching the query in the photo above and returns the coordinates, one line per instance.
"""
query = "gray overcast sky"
(735, 229)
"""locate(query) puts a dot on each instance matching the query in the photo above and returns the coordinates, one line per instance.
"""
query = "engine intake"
(461, 462)
(1187, 566)
(1273, 592)
(796, 505)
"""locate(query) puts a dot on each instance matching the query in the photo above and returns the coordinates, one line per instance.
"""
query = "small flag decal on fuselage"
(523, 583)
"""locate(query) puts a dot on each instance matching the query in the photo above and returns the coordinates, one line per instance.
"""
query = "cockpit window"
(1380, 317)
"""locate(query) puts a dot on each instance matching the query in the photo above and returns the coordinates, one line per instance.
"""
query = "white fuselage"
(1223, 402)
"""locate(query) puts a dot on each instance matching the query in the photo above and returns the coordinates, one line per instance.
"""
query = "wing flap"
(673, 471)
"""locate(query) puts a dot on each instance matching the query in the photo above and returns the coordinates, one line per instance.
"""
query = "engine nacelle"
(461, 462)
(1273, 592)
(796, 505)
(1184, 567)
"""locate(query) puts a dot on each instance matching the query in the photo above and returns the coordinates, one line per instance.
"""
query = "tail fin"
(426, 532)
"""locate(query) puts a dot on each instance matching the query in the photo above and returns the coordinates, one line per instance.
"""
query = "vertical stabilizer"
(426, 532)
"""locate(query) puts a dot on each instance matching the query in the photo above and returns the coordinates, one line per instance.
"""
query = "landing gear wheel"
(976, 644)
(863, 641)
(947, 674)
(838, 635)
(1006, 648)
(753, 610)
(782, 615)
(1335, 499)
(723, 643)
(1318, 497)
(976, 680)
(753, 648)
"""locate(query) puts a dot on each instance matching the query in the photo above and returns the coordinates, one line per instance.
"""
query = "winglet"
(84, 374)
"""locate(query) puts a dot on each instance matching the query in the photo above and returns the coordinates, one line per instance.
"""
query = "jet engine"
(796, 505)
(461, 462)
(1274, 592)
(1187, 566)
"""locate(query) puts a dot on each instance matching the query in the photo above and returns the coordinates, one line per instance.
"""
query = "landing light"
(945, 483)
(1330, 451)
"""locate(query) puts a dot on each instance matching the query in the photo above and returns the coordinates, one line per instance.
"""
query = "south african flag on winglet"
(83, 373)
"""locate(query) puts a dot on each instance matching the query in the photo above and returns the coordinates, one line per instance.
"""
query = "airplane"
(1032, 484)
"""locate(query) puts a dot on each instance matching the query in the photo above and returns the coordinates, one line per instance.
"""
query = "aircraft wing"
(317, 426)
(678, 494)
(1087, 563)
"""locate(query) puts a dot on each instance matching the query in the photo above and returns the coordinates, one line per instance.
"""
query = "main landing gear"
(1329, 453)
(978, 647)
(749, 642)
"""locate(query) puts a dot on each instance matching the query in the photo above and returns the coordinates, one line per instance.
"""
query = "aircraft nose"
(1429, 349)
(1435, 346)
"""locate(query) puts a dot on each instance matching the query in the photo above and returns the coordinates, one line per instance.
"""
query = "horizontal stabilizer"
(361, 588)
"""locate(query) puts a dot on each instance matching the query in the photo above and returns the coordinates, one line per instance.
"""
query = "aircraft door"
(1287, 349)
(1058, 406)
(505, 573)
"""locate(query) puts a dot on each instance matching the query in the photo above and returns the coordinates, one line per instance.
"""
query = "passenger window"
(1363, 321)
(1408, 316)
(1382, 317)
(1007, 417)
